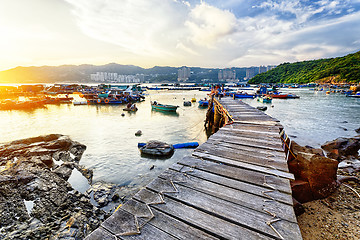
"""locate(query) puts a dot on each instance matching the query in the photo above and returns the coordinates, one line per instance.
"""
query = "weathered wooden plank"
(275, 144)
(100, 234)
(149, 232)
(235, 184)
(126, 225)
(120, 223)
(275, 122)
(256, 127)
(167, 223)
(243, 156)
(243, 165)
(241, 116)
(177, 228)
(251, 150)
(237, 214)
(244, 132)
(218, 227)
(245, 111)
(248, 200)
(245, 175)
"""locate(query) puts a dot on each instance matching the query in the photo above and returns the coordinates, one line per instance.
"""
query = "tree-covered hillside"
(340, 69)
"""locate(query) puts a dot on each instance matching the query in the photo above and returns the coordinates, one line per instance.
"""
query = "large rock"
(315, 174)
(342, 148)
(36, 201)
(296, 148)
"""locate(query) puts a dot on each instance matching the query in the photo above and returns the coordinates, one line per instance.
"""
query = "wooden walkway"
(234, 186)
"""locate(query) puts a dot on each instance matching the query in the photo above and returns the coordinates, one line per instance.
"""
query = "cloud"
(215, 33)
(208, 25)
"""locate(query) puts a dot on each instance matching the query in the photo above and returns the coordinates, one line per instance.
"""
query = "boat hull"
(166, 108)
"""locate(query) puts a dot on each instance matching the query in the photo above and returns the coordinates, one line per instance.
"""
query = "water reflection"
(112, 151)
(165, 113)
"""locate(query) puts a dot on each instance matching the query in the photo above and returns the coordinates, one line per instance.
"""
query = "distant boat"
(265, 99)
(279, 95)
(163, 107)
(203, 103)
(290, 95)
(130, 109)
(242, 95)
(357, 95)
(187, 103)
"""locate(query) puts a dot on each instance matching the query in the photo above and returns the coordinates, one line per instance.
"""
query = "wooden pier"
(234, 186)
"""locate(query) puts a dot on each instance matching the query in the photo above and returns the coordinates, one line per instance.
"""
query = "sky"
(147, 33)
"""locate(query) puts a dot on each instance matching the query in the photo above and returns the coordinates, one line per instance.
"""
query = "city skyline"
(178, 33)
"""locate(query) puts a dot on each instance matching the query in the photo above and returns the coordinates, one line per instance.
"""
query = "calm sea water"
(111, 143)
(110, 138)
(316, 117)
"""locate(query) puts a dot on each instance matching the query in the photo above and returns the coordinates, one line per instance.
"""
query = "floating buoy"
(177, 146)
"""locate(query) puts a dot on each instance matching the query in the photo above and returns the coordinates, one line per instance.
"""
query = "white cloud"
(185, 32)
(208, 25)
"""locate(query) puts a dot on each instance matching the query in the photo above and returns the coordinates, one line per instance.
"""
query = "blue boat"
(357, 95)
(203, 103)
(242, 95)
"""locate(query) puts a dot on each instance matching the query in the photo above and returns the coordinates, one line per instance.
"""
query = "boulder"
(301, 191)
(342, 147)
(157, 148)
(318, 171)
(296, 148)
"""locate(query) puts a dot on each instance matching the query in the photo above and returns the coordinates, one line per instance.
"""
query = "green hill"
(340, 69)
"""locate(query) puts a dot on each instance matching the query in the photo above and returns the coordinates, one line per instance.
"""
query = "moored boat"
(279, 95)
(163, 107)
(242, 95)
(203, 103)
(265, 99)
(187, 103)
(357, 95)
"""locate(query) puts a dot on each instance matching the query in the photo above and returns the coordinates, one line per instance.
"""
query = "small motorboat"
(130, 109)
(279, 95)
(357, 95)
(265, 99)
(290, 95)
(242, 95)
(203, 103)
(187, 103)
(163, 107)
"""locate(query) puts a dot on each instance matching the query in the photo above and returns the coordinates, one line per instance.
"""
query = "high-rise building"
(227, 75)
(183, 74)
(251, 72)
(262, 69)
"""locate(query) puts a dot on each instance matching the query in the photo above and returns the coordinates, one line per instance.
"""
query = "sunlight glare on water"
(110, 138)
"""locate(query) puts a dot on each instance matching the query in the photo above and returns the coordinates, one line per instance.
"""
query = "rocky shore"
(328, 189)
(37, 201)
